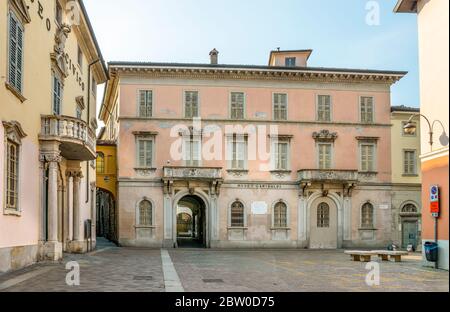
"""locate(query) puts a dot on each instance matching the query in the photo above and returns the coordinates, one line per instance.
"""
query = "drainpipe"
(88, 123)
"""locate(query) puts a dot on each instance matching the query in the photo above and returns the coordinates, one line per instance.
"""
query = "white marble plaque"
(384, 206)
(259, 208)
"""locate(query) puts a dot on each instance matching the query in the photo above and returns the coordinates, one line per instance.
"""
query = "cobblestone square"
(114, 269)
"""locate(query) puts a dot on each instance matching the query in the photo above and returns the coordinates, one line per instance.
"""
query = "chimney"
(214, 56)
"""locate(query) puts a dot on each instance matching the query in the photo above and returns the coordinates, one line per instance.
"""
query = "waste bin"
(431, 251)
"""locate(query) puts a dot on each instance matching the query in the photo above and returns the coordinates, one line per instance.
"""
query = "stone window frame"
(374, 221)
(13, 133)
(285, 139)
(230, 206)
(317, 107)
(230, 141)
(145, 136)
(288, 219)
(374, 143)
(331, 144)
(244, 105)
(138, 213)
(138, 102)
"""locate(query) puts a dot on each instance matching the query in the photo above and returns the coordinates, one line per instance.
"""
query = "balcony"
(328, 176)
(77, 140)
(192, 173)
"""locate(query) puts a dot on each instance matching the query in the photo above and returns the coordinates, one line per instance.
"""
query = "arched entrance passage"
(106, 215)
(191, 222)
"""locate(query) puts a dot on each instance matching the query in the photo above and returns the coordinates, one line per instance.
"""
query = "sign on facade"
(259, 208)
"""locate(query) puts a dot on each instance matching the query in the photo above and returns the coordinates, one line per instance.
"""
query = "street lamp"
(411, 127)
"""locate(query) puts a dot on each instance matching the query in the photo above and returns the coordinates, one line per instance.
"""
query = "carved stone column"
(68, 215)
(77, 235)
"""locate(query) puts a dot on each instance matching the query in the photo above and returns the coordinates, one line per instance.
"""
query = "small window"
(237, 105)
(57, 95)
(145, 213)
(12, 175)
(80, 58)
(324, 108)
(281, 155)
(280, 106)
(145, 153)
(237, 214)
(191, 104)
(16, 32)
(325, 155)
(323, 216)
(100, 162)
(59, 13)
(367, 216)
(290, 62)
(409, 162)
(367, 157)
(145, 103)
(367, 109)
(280, 215)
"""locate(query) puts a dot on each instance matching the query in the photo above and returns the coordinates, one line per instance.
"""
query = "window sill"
(237, 172)
(12, 212)
(367, 229)
(145, 226)
(281, 171)
(280, 229)
(14, 91)
(415, 175)
(369, 172)
(237, 228)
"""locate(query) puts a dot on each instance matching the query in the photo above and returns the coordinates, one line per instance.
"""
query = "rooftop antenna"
(278, 49)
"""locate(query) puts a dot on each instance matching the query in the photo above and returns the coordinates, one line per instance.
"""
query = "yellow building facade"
(50, 65)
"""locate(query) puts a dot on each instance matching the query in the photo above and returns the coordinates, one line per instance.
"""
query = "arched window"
(367, 216)
(280, 215)
(100, 162)
(323, 215)
(145, 213)
(237, 214)
(409, 208)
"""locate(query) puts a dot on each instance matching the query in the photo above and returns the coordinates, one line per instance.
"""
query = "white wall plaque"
(259, 208)
(384, 206)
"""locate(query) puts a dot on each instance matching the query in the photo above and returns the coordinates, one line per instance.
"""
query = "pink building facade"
(320, 179)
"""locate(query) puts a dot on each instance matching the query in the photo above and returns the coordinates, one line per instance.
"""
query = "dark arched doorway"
(191, 222)
(106, 215)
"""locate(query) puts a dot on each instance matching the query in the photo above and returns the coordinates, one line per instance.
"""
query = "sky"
(245, 31)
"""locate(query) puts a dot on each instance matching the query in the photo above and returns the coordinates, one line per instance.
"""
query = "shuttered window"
(192, 151)
(324, 108)
(323, 215)
(15, 76)
(237, 105)
(280, 106)
(367, 109)
(191, 104)
(367, 216)
(145, 153)
(100, 163)
(290, 62)
(12, 175)
(57, 95)
(145, 103)
(367, 157)
(409, 162)
(145, 213)
(325, 156)
(280, 215)
(238, 149)
(237, 214)
(281, 155)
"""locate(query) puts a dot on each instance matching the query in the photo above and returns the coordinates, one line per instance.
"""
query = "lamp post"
(411, 128)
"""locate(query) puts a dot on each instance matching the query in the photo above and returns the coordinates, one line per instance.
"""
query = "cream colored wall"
(433, 22)
(400, 142)
(37, 89)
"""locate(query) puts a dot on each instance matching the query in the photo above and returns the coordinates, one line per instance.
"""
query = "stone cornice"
(252, 73)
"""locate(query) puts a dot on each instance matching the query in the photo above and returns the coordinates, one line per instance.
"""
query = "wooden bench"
(358, 255)
(384, 255)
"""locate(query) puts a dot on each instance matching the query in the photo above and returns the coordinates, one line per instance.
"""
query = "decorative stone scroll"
(325, 136)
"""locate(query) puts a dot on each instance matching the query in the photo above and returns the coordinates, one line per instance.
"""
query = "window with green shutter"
(367, 109)
(192, 147)
(409, 162)
(238, 149)
(15, 34)
(281, 155)
(367, 157)
(325, 156)
(57, 95)
(237, 104)
(280, 106)
(191, 104)
(324, 108)
(145, 153)
(145, 103)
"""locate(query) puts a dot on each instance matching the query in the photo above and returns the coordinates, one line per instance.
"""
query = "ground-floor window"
(145, 213)
(280, 215)
(237, 214)
(323, 215)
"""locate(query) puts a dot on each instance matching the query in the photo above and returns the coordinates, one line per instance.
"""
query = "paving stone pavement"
(113, 269)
